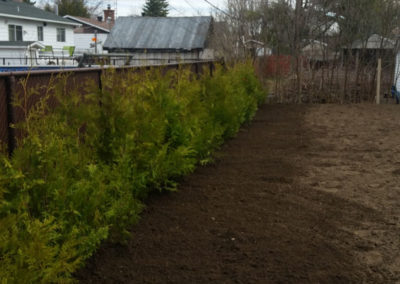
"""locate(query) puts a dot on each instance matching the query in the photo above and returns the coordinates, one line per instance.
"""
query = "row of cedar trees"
(319, 47)
(84, 166)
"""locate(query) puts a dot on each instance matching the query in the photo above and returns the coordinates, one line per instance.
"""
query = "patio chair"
(47, 50)
(69, 49)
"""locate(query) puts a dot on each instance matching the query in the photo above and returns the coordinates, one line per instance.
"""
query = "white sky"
(176, 7)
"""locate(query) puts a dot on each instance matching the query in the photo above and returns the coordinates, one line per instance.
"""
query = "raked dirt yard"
(304, 194)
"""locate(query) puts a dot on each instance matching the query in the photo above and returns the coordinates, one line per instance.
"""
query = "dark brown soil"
(306, 194)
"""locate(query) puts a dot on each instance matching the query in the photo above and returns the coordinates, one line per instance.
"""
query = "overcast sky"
(177, 7)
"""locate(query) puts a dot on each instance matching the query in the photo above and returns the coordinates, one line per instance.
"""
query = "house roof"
(315, 45)
(159, 33)
(15, 43)
(21, 44)
(11, 9)
(374, 42)
(104, 26)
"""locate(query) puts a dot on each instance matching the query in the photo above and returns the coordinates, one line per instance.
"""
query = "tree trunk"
(297, 46)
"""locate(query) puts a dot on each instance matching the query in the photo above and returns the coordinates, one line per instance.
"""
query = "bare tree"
(241, 26)
(333, 44)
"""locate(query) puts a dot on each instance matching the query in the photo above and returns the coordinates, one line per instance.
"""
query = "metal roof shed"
(159, 34)
(374, 42)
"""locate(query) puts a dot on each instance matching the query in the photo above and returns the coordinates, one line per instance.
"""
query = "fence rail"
(10, 88)
(62, 61)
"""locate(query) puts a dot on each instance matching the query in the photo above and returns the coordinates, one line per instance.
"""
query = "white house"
(24, 29)
(90, 37)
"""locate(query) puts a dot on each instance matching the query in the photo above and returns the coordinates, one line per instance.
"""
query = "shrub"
(82, 171)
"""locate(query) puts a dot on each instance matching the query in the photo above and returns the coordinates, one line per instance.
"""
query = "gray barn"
(154, 40)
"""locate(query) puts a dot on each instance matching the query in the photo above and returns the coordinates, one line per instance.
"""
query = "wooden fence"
(10, 88)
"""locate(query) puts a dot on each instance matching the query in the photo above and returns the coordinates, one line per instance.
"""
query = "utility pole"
(95, 41)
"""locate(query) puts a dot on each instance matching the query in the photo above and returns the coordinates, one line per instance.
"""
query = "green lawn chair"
(47, 49)
(69, 49)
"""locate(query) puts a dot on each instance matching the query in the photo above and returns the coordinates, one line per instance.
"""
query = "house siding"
(82, 42)
(12, 56)
(29, 28)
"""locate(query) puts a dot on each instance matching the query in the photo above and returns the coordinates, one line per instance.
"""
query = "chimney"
(109, 15)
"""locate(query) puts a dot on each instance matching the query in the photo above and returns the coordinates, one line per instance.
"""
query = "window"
(14, 33)
(61, 34)
(40, 33)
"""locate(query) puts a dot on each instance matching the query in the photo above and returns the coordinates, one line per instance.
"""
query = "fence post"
(378, 82)
(211, 65)
(99, 75)
(10, 94)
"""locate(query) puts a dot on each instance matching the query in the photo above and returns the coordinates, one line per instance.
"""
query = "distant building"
(374, 42)
(315, 51)
(161, 39)
(91, 35)
(24, 29)
(257, 48)
(363, 51)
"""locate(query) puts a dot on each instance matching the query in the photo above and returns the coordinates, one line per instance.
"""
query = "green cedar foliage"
(81, 173)
(29, 2)
(73, 8)
(155, 8)
(68, 7)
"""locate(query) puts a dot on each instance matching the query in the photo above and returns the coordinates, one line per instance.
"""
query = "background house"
(315, 51)
(161, 39)
(24, 29)
(91, 29)
(317, 54)
(366, 51)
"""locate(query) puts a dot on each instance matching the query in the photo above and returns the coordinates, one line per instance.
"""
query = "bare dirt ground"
(305, 194)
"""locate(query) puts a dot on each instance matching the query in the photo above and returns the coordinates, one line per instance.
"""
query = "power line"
(194, 9)
(176, 10)
(215, 7)
(189, 18)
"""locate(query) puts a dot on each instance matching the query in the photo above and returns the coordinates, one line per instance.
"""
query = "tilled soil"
(305, 194)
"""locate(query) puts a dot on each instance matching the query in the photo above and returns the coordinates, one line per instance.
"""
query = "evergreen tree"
(155, 8)
(73, 8)
(48, 8)
(68, 7)
(29, 2)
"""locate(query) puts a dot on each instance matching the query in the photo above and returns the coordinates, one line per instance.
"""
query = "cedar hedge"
(82, 171)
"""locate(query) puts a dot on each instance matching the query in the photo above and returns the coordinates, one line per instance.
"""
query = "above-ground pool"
(32, 68)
